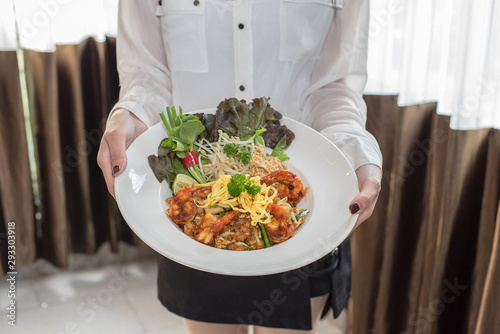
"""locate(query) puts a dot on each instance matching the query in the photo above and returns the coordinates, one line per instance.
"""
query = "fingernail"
(115, 170)
(354, 208)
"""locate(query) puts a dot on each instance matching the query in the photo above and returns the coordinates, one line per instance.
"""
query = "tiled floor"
(116, 298)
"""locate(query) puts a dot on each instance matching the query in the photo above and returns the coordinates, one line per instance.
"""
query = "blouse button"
(196, 2)
(242, 88)
(241, 26)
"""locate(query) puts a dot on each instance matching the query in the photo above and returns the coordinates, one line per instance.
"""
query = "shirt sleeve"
(333, 104)
(145, 83)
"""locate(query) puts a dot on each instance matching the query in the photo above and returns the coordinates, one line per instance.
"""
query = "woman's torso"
(217, 49)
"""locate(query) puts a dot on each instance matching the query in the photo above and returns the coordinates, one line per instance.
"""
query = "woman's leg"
(199, 327)
(317, 304)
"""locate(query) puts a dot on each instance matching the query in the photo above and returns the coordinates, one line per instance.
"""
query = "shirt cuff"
(358, 151)
(146, 116)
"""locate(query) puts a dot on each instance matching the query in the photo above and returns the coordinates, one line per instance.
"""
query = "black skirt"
(278, 300)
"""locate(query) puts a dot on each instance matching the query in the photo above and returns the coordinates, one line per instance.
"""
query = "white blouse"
(307, 56)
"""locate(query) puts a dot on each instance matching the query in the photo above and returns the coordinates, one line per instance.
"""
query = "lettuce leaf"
(166, 165)
(276, 132)
(239, 119)
(183, 134)
(279, 150)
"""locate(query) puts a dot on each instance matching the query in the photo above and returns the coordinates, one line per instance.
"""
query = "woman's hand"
(369, 181)
(121, 130)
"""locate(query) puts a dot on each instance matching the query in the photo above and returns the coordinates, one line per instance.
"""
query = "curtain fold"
(461, 224)
(427, 260)
(488, 253)
(488, 320)
(41, 71)
(405, 226)
(368, 241)
(16, 194)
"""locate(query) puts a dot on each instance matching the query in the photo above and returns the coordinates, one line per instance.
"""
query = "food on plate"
(240, 212)
(228, 190)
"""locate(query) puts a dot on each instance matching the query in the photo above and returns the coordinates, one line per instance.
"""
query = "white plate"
(316, 161)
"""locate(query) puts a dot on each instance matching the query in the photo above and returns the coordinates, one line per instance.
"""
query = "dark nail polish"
(115, 170)
(354, 208)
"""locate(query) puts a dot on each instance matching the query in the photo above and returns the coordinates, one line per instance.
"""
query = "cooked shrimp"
(209, 227)
(182, 209)
(207, 220)
(281, 227)
(287, 184)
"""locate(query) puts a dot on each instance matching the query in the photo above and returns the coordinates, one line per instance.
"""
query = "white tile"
(152, 315)
(72, 285)
(144, 271)
(117, 317)
(85, 316)
(23, 294)
(6, 329)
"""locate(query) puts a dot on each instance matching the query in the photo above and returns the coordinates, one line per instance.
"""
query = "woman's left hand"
(369, 181)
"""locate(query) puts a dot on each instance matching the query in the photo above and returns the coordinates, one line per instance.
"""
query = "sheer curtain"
(8, 40)
(43, 24)
(439, 50)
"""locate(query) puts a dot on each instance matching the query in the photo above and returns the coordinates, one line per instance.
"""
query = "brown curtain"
(16, 195)
(70, 92)
(427, 261)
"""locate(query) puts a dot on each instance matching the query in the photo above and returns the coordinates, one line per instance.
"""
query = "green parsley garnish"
(238, 151)
(240, 183)
(231, 149)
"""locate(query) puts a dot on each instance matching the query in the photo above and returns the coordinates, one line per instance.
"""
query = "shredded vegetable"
(217, 162)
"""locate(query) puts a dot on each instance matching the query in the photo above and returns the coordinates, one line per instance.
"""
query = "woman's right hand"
(121, 130)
